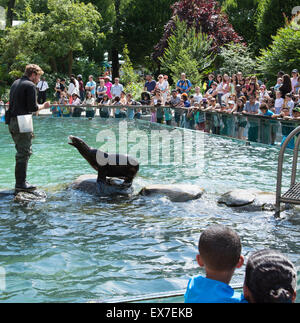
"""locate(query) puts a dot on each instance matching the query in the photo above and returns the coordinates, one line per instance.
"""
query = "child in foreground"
(270, 278)
(220, 254)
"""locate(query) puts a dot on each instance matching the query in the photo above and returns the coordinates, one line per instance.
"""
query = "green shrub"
(283, 54)
(235, 58)
(187, 52)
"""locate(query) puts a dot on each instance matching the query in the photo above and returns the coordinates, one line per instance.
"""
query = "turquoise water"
(75, 247)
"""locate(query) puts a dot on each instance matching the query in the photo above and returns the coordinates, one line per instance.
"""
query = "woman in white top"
(220, 88)
(89, 102)
(163, 86)
(72, 87)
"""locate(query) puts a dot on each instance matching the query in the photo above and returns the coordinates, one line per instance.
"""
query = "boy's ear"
(241, 262)
(199, 260)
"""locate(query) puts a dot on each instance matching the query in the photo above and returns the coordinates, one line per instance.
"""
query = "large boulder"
(176, 192)
(250, 200)
(113, 187)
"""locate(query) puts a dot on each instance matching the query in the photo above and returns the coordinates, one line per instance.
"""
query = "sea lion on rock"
(115, 171)
(176, 192)
(107, 165)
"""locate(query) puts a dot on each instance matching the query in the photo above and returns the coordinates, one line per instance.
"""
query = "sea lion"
(107, 165)
(175, 192)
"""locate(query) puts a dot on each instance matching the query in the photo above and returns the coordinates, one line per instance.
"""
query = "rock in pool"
(113, 187)
(251, 200)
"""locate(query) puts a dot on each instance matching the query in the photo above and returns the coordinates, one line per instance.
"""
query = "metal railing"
(292, 196)
(254, 128)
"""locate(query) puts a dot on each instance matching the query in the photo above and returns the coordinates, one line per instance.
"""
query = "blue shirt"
(269, 113)
(205, 290)
(184, 85)
(91, 84)
(150, 86)
(130, 113)
(251, 108)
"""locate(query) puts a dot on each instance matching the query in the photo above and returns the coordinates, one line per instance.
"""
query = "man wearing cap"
(294, 79)
(184, 85)
(296, 112)
(23, 101)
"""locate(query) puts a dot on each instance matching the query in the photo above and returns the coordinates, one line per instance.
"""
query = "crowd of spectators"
(206, 107)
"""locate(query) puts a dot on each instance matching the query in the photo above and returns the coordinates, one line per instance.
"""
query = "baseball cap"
(295, 71)
(296, 109)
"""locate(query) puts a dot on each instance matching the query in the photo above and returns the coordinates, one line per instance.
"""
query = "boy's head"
(278, 94)
(264, 108)
(296, 111)
(174, 93)
(219, 249)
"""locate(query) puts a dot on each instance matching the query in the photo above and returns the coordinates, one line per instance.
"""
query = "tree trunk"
(53, 65)
(116, 41)
(115, 63)
(70, 62)
(10, 14)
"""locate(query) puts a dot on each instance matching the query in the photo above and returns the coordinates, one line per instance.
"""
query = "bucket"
(25, 123)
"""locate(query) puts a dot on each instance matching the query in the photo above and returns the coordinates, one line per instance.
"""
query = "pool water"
(76, 247)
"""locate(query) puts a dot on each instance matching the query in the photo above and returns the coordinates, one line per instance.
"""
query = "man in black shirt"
(23, 101)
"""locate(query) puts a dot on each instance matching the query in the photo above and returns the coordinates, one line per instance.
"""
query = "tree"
(284, 52)
(52, 39)
(242, 15)
(143, 25)
(272, 15)
(203, 15)
(9, 14)
(236, 58)
(128, 74)
(188, 52)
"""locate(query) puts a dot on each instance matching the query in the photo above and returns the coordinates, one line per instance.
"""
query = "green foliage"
(235, 58)
(242, 15)
(51, 40)
(135, 88)
(272, 15)
(283, 54)
(143, 26)
(127, 72)
(188, 52)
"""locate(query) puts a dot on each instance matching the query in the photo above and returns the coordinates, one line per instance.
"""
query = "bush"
(283, 54)
(127, 72)
(187, 52)
(235, 58)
